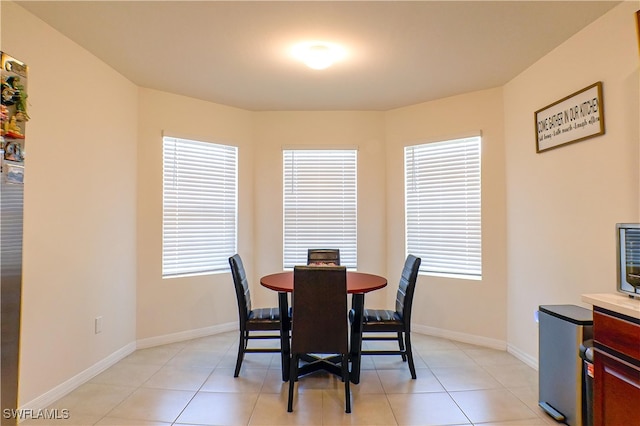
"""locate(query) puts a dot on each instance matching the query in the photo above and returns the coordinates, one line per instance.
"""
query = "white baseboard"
(460, 337)
(185, 335)
(524, 357)
(64, 388)
(477, 340)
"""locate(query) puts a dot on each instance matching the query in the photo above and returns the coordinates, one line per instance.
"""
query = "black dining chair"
(319, 324)
(323, 257)
(376, 321)
(261, 319)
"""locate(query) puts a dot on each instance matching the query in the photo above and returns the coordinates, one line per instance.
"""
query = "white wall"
(93, 199)
(80, 215)
(188, 306)
(473, 311)
(179, 305)
(191, 305)
(563, 204)
(272, 131)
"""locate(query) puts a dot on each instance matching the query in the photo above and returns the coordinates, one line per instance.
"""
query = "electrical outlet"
(98, 325)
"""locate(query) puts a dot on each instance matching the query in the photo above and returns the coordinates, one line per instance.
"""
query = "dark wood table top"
(357, 282)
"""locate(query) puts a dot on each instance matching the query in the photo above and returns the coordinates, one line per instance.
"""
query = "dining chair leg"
(293, 375)
(412, 368)
(285, 346)
(357, 303)
(346, 379)
(241, 346)
(401, 346)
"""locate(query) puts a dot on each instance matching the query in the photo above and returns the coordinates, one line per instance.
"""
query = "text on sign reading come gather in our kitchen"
(576, 117)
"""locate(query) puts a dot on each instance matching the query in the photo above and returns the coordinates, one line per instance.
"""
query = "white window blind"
(320, 204)
(442, 206)
(199, 203)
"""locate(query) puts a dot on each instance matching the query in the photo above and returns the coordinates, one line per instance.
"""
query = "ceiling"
(236, 53)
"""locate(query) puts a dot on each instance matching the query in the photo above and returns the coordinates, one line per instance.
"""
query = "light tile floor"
(191, 383)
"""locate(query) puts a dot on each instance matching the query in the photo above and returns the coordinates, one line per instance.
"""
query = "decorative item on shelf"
(4, 117)
(11, 129)
(14, 93)
(13, 119)
(15, 173)
(13, 152)
(2, 143)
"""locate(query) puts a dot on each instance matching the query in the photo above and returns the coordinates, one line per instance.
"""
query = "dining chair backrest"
(319, 322)
(241, 285)
(258, 320)
(330, 257)
(406, 287)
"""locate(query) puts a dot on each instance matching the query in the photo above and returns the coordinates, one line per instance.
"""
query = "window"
(199, 207)
(442, 206)
(320, 204)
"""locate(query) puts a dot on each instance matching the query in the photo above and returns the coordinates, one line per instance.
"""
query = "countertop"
(614, 302)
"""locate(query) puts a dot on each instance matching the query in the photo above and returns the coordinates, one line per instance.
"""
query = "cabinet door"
(616, 391)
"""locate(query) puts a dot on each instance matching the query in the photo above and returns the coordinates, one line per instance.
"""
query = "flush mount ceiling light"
(318, 54)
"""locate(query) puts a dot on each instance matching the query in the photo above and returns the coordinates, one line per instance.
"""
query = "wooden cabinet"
(616, 369)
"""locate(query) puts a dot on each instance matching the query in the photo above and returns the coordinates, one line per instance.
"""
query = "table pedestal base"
(332, 364)
(358, 283)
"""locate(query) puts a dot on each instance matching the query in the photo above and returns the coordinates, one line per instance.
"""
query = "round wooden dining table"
(358, 283)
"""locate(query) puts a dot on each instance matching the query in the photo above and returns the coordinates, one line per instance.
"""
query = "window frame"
(461, 255)
(296, 253)
(199, 234)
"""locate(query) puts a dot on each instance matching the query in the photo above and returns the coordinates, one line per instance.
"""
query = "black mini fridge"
(562, 330)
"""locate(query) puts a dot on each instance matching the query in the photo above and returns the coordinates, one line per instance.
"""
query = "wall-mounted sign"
(577, 117)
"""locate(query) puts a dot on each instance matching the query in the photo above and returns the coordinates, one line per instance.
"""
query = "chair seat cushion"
(381, 316)
(266, 315)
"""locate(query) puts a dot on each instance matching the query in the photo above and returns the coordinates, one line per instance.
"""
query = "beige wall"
(473, 311)
(80, 216)
(272, 131)
(178, 305)
(563, 204)
(93, 199)
(164, 307)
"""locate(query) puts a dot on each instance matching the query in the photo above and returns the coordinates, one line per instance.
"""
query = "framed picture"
(573, 118)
